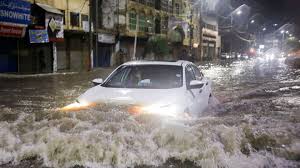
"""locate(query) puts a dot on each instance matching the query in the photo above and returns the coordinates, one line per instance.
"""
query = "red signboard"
(12, 31)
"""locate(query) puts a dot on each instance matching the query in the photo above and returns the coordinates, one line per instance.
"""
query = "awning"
(49, 9)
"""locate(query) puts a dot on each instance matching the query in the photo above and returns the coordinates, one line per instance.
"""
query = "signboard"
(85, 26)
(15, 11)
(55, 26)
(12, 31)
(106, 38)
(38, 36)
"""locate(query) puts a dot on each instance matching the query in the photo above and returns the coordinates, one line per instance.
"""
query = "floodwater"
(253, 121)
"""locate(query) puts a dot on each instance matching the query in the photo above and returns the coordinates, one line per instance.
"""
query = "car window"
(118, 77)
(189, 73)
(197, 72)
(147, 77)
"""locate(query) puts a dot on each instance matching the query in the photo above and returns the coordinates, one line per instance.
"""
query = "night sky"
(276, 11)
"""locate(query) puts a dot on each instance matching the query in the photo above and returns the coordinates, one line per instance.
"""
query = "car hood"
(99, 94)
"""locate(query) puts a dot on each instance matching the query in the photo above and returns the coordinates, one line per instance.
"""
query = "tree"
(157, 45)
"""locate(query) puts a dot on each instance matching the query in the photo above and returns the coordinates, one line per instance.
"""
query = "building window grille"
(132, 20)
(74, 19)
(164, 26)
(151, 3)
(170, 7)
(164, 5)
(142, 22)
(177, 9)
(143, 1)
(150, 25)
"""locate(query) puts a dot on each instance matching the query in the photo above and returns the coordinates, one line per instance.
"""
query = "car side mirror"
(97, 81)
(195, 84)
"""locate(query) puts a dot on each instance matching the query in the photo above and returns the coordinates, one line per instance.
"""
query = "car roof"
(145, 62)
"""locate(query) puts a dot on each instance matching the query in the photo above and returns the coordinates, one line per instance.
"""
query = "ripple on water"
(112, 138)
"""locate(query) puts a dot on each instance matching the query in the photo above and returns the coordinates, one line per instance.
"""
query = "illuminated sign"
(15, 11)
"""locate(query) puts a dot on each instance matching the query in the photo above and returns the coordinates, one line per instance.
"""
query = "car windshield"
(146, 77)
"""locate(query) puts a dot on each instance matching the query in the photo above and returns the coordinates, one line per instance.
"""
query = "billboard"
(38, 36)
(15, 11)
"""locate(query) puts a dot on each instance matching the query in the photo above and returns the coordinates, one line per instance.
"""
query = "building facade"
(211, 40)
(54, 39)
(56, 36)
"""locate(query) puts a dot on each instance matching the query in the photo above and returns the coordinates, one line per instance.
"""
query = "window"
(132, 20)
(150, 3)
(157, 4)
(199, 75)
(74, 19)
(189, 75)
(84, 18)
(177, 9)
(150, 24)
(170, 6)
(64, 16)
(143, 1)
(142, 22)
(164, 26)
(164, 5)
(146, 77)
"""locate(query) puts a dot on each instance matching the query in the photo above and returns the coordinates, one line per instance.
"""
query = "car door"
(206, 90)
(197, 103)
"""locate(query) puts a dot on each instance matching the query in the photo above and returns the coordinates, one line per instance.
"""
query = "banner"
(15, 11)
(54, 24)
(38, 36)
(12, 31)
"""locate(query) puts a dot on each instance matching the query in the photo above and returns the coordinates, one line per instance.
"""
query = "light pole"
(282, 40)
(237, 12)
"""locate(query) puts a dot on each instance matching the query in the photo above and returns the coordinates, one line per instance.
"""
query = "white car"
(176, 89)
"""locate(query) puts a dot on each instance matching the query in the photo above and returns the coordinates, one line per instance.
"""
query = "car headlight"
(77, 106)
(170, 110)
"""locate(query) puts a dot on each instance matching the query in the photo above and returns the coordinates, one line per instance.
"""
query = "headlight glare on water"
(170, 110)
(77, 106)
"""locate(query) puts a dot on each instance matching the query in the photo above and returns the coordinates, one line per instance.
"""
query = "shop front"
(14, 18)
(44, 33)
(104, 50)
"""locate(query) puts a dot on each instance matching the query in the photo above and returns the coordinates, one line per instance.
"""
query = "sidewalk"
(95, 70)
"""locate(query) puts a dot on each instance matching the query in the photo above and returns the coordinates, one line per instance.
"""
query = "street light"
(264, 29)
(282, 31)
(252, 21)
(239, 12)
(275, 24)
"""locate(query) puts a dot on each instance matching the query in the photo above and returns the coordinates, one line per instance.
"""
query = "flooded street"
(253, 121)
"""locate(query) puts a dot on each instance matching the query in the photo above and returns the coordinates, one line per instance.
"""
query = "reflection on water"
(253, 122)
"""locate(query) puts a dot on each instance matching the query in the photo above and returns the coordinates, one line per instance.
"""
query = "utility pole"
(96, 29)
(135, 36)
(201, 31)
(191, 32)
(90, 52)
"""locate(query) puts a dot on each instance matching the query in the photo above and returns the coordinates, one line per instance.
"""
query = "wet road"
(254, 121)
